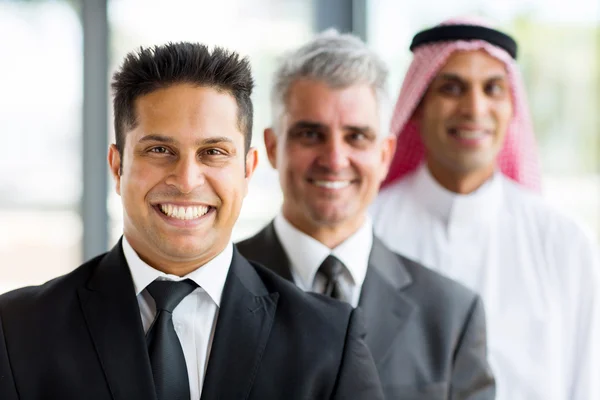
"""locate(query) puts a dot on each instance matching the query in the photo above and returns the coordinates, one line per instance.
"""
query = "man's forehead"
(319, 91)
(473, 64)
(315, 99)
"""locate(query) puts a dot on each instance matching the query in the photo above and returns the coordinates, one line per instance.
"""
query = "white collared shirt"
(195, 316)
(536, 270)
(306, 255)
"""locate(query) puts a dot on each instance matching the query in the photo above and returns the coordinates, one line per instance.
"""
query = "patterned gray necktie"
(332, 269)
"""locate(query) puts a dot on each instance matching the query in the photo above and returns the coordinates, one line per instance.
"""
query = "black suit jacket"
(80, 336)
(426, 332)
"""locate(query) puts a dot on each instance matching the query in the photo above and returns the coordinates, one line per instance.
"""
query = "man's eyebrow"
(307, 125)
(497, 78)
(213, 140)
(153, 137)
(446, 76)
(367, 130)
(360, 129)
(455, 77)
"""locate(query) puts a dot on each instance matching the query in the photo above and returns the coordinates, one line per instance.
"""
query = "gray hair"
(339, 61)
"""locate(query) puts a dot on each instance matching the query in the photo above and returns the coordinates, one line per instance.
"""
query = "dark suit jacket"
(80, 336)
(426, 332)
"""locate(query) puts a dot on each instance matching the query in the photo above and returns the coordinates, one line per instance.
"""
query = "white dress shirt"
(195, 316)
(306, 255)
(536, 270)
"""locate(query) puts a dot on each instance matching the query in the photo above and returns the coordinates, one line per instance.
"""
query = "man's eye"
(357, 136)
(309, 134)
(214, 152)
(452, 89)
(495, 89)
(159, 150)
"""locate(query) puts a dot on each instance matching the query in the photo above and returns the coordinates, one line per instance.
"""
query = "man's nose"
(335, 154)
(474, 103)
(187, 174)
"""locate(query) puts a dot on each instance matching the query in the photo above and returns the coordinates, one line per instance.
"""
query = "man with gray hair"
(329, 143)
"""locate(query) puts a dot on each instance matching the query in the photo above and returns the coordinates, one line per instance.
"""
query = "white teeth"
(183, 213)
(332, 184)
(469, 134)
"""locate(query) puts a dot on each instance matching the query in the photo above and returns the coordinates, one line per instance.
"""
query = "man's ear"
(114, 162)
(251, 161)
(251, 164)
(388, 149)
(271, 146)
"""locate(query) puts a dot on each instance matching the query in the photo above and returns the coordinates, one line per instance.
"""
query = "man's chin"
(330, 218)
(474, 166)
(184, 250)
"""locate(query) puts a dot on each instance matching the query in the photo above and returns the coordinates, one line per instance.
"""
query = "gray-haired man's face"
(329, 153)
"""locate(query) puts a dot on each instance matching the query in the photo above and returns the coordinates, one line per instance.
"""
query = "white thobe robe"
(536, 270)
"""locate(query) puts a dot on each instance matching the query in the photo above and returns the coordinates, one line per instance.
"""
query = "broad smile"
(181, 215)
(183, 212)
(331, 184)
(470, 137)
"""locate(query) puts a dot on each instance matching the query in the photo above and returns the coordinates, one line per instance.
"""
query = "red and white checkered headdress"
(518, 158)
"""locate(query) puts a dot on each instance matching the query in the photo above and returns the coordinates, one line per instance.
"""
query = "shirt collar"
(456, 208)
(306, 254)
(210, 276)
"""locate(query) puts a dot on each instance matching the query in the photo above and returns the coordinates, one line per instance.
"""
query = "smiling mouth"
(184, 213)
(469, 134)
(333, 185)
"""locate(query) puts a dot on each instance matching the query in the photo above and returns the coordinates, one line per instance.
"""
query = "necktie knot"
(168, 294)
(331, 268)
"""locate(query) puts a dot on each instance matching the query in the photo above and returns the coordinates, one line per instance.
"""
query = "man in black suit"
(173, 311)
(332, 151)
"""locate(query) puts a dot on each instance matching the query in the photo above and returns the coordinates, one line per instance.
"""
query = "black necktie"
(166, 356)
(332, 269)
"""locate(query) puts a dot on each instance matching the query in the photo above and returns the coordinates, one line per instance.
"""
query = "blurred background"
(57, 203)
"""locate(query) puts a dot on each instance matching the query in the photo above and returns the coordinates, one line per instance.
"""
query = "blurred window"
(40, 129)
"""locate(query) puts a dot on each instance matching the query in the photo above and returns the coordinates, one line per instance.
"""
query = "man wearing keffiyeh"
(462, 198)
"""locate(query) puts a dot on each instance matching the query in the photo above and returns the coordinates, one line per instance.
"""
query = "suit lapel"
(113, 318)
(245, 318)
(266, 249)
(386, 278)
(385, 307)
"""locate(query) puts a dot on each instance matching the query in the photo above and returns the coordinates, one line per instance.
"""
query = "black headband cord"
(445, 33)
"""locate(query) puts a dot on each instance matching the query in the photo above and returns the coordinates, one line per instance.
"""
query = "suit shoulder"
(59, 287)
(442, 302)
(305, 305)
(253, 247)
(446, 290)
(246, 245)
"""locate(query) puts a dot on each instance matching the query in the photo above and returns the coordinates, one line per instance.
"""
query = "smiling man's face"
(465, 113)
(183, 176)
(330, 154)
